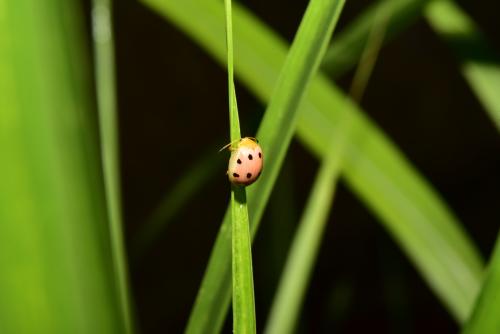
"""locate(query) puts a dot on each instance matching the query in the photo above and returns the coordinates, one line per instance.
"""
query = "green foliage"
(62, 257)
(478, 62)
(306, 243)
(56, 271)
(106, 100)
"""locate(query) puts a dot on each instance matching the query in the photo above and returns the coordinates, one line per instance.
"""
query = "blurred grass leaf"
(485, 315)
(307, 240)
(241, 254)
(479, 64)
(294, 279)
(345, 51)
(55, 269)
(375, 169)
(106, 102)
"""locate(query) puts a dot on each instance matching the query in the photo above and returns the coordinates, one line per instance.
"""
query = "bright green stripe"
(106, 90)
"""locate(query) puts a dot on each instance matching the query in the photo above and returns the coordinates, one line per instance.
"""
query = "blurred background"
(168, 86)
(172, 112)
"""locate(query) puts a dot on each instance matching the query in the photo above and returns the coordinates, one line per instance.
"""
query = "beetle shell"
(245, 163)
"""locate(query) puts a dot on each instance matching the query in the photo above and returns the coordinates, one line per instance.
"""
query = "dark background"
(173, 110)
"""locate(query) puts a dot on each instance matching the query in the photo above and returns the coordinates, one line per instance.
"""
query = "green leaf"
(301, 257)
(375, 170)
(478, 62)
(106, 100)
(243, 294)
(56, 271)
(345, 51)
(484, 318)
(306, 243)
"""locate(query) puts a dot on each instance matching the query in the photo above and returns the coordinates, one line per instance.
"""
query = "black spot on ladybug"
(238, 161)
(260, 155)
(249, 175)
(250, 157)
(236, 175)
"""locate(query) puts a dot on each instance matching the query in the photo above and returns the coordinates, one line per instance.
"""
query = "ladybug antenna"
(228, 145)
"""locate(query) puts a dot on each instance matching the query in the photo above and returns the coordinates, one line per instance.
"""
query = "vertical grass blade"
(479, 63)
(55, 268)
(306, 243)
(405, 203)
(485, 317)
(243, 295)
(291, 290)
(106, 101)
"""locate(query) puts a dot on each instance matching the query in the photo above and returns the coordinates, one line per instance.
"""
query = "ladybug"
(246, 162)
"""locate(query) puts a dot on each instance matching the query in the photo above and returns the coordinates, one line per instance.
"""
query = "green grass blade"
(276, 129)
(106, 101)
(346, 49)
(306, 243)
(376, 170)
(478, 62)
(55, 268)
(480, 65)
(291, 290)
(484, 318)
(408, 207)
(243, 294)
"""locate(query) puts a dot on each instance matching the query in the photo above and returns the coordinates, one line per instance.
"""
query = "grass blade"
(106, 101)
(345, 51)
(243, 294)
(306, 243)
(375, 170)
(484, 318)
(478, 62)
(298, 267)
(56, 274)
